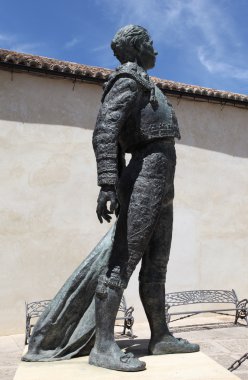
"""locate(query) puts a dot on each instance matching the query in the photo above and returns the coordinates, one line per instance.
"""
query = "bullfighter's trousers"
(144, 226)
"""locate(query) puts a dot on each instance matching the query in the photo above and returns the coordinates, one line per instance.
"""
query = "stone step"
(194, 366)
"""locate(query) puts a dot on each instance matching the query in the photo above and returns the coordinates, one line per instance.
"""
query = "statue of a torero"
(135, 117)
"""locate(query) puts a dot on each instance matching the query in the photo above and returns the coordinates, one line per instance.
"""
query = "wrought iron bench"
(35, 309)
(203, 297)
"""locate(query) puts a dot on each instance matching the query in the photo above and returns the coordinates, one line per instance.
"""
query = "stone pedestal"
(196, 366)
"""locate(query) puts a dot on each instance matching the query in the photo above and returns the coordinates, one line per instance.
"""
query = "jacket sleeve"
(114, 111)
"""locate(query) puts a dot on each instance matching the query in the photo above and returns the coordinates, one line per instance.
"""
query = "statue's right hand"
(106, 194)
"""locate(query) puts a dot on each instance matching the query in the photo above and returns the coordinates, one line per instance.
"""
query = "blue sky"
(202, 42)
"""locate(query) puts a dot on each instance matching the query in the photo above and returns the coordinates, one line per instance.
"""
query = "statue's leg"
(106, 353)
(153, 272)
(152, 283)
(141, 195)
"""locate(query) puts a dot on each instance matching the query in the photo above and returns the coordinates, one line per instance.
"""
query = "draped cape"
(66, 328)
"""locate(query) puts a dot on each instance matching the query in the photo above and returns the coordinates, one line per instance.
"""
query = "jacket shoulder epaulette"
(128, 70)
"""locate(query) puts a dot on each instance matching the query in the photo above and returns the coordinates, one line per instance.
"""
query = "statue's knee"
(114, 281)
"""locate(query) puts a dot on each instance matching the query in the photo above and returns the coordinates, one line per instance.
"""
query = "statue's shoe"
(172, 345)
(125, 362)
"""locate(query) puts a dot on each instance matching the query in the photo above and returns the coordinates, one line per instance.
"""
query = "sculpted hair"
(127, 41)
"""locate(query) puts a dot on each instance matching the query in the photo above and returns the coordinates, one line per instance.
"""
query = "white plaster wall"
(210, 240)
(48, 193)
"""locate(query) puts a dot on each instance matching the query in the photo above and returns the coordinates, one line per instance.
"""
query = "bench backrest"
(201, 296)
(35, 309)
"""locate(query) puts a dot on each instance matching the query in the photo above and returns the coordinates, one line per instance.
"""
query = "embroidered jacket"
(134, 111)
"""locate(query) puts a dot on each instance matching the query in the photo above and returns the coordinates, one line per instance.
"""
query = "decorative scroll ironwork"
(36, 308)
(206, 296)
(33, 311)
(242, 310)
(201, 296)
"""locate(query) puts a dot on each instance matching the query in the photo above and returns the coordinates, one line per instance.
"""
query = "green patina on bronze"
(134, 117)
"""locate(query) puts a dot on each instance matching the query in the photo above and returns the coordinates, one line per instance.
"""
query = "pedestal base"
(195, 366)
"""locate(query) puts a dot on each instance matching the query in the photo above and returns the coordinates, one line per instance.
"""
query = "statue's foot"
(115, 359)
(171, 345)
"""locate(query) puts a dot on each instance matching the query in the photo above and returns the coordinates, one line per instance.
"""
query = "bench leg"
(236, 317)
(128, 325)
(27, 331)
(124, 328)
(128, 320)
(241, 310)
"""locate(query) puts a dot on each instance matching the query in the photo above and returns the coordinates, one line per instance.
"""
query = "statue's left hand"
(107, 194)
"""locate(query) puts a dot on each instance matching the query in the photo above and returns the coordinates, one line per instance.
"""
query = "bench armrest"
(242, 304)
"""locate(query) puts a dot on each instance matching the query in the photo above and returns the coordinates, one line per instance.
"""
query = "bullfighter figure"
(135, 117)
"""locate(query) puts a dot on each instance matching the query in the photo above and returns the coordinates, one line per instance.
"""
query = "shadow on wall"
(28, 98)
(213, 126)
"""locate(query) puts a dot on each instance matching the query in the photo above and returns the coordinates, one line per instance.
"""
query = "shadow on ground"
(139, 347)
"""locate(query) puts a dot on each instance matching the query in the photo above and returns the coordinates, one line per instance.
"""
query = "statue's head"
(132, 43)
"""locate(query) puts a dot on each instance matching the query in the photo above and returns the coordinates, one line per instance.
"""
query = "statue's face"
(147, 54)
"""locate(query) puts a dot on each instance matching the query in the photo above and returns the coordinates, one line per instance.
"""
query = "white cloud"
(176, 21)
(25, 48)
(12, 42)
(157, 15)
(6, 39)
(73, 42)
(203, 29)
(100, 48)
(224, 69)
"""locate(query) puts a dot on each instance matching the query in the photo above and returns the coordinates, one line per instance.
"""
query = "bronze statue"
(135, 117)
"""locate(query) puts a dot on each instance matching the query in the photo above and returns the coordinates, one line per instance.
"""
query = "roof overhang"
(15, 61)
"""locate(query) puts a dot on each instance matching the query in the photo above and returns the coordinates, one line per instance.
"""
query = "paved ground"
(219, 339)
(11, 348)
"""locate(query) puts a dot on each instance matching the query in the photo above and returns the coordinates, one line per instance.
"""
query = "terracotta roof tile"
(53, 65)
(98, 74)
